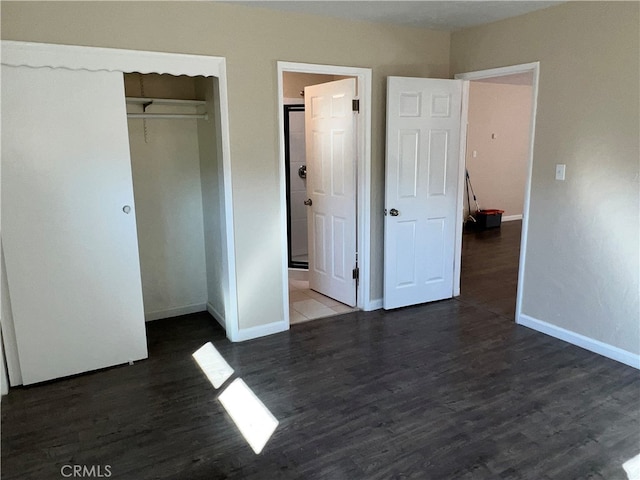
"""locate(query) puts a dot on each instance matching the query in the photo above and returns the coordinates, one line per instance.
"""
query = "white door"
(71, 251)
(423, 142)
(331, 188)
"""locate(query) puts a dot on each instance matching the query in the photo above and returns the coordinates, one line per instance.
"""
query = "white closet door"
(71, 251)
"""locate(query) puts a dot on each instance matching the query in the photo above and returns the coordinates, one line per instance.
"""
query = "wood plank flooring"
(489, 276)
(449, 390)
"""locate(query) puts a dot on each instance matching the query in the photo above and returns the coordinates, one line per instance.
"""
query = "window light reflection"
(253, 419)
(632, 467)
(213, 364)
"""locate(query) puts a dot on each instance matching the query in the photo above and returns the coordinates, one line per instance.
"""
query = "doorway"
(363, 148)
(500, 108)
(320, 161)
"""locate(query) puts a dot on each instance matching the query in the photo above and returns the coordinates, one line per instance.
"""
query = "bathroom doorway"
(291, 99)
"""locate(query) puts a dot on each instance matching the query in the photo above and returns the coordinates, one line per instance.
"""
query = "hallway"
(489, 277)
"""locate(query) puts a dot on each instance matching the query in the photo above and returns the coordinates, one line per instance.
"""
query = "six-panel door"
(331, 187)
(423, 138)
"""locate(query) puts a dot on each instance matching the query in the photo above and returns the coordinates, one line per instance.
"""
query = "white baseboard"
(374, 304)
(511, 218)
(261, 331)
(174, 312)
(217, 315)
(596, 346)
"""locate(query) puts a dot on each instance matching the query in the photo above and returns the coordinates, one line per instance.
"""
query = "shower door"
(295, 161)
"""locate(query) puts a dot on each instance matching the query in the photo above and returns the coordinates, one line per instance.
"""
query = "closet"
(171, 166)
(77, 283)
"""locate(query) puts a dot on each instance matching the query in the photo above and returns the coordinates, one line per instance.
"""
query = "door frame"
(73, 57)
(363, 174)
(534, 68)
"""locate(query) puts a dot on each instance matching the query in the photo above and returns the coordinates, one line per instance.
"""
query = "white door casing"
(71, 250)
(422, 163)
(331, 187)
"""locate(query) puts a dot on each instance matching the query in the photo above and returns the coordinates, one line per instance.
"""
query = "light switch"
(560, 169)
(475, 154)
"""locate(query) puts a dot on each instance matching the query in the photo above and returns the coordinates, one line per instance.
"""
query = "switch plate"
(560, 170)
(475, 154)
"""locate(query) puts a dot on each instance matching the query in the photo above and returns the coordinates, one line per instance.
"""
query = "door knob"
(308, 202)
(393, 212)
(126, 209)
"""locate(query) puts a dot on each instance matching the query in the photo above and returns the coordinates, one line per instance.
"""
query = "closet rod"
(203, 116)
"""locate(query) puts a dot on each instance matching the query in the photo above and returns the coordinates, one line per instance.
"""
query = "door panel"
(71, 251)
(331, 186)
(405, 266)
(423, 133)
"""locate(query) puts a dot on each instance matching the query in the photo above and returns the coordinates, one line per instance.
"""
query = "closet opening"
(177, 183)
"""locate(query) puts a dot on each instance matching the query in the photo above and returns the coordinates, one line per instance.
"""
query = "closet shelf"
(146, 102)
(163, 101)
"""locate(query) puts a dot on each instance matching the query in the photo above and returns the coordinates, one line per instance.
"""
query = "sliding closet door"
(68, 222)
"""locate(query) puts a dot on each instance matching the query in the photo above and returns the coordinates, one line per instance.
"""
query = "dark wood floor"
(489, 277)
(450, 390)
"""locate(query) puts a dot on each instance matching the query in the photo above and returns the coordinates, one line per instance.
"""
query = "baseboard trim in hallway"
(511, 218)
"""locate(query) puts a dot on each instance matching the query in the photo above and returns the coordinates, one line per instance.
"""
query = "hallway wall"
(498, 133)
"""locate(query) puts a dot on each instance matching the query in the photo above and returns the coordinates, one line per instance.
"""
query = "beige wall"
(498, 131)
(252, 40)
(293, 83)
(582, 263)
(212, 178)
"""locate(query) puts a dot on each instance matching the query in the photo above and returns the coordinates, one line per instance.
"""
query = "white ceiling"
(439, 15)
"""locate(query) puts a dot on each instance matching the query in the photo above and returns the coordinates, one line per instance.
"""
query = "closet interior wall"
(176, 189)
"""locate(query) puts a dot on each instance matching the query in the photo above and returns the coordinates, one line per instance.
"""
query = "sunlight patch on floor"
(214, 366)
(255, 422)
(253, 419)
(632, 468)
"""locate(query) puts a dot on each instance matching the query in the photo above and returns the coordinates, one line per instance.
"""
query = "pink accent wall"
(499, 122)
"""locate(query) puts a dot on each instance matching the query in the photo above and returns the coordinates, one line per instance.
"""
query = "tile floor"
(305, 304)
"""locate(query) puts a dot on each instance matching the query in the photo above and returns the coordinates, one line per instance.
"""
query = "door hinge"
(355, 103)
(356, 273)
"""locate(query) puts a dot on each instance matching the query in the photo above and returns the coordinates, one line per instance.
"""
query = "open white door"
(331, 189)
(423, 142)
(68, 224)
